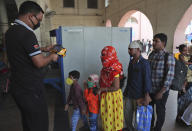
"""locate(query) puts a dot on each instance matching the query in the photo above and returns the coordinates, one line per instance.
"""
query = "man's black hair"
(162, 37)
(30, 7)
(75, 74)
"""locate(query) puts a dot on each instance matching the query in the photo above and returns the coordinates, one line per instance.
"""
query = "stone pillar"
(3, 18)
(3, 27)
(43, 32)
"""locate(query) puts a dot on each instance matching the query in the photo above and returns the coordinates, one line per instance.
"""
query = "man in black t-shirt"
(26, 61)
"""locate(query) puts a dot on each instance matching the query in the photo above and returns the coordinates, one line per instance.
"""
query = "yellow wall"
(80, 15)
(76, 21)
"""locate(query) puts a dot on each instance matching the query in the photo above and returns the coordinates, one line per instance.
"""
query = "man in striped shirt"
(161, 77)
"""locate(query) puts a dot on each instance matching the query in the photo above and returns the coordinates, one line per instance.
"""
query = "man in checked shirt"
(161, 81)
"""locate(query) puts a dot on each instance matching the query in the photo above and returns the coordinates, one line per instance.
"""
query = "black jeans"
(34, 110)
(160, 109)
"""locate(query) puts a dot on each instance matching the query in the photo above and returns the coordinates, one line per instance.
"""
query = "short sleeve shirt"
(22, 45)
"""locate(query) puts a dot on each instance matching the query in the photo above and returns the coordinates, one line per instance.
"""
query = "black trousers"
(160, 109)
(34, 110)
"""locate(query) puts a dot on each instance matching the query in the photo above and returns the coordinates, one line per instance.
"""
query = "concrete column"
(43, 32)
(3, 27)
(3, 18)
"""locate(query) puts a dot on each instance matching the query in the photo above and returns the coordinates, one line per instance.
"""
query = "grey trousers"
(129, 113)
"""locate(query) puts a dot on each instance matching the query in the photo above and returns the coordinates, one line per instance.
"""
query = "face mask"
(36, 26)
(69, 81)
(90, 84)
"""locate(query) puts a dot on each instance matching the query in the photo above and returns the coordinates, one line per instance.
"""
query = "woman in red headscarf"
(111, 95)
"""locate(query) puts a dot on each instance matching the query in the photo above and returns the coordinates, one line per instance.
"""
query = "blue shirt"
(139, 79)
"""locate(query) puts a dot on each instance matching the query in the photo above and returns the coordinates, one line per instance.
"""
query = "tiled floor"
(10, 117)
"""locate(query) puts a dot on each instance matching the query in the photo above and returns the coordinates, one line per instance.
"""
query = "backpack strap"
(165, 65)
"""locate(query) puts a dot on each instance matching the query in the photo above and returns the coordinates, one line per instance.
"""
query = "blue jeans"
(75, 118)
(93, 121)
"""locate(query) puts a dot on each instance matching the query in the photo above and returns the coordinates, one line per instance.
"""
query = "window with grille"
(69, 3)
(92, 4)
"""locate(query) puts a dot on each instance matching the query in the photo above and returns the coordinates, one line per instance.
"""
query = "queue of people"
(148, 82)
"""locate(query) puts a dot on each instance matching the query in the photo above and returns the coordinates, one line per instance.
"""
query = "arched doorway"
(183, 31)
(141, 26)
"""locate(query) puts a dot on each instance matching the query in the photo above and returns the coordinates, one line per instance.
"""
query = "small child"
(187, 59)
(76, 97)
(92, 99)
(183, 56)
